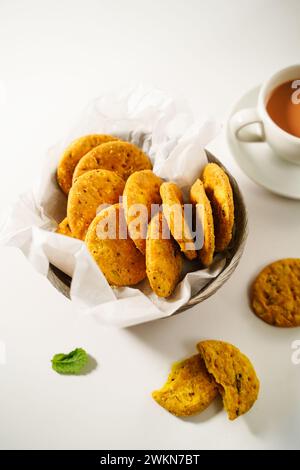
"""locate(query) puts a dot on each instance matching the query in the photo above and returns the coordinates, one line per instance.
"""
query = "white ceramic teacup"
(286, 145)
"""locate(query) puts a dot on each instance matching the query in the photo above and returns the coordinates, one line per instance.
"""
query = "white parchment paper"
(167, 132)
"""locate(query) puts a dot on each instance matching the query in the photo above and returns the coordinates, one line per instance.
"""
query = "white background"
(54, 57)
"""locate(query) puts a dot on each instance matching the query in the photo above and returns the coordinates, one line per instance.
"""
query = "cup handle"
(244, 118)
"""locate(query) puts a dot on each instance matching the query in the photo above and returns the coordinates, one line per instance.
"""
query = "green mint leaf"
(71, 363)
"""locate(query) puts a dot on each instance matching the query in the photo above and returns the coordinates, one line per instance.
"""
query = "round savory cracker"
(174, 213)
(121, 157)
(118, 258)
(140, 196)
(204, 216)
(73, 153)
(234, 374)
(163, 258)
(189, 388)
(275, 293)
(64, 228)
(90, 191)
(219, 192)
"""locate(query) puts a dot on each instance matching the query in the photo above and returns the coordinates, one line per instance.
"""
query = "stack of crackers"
(105, 179)
(218, 368)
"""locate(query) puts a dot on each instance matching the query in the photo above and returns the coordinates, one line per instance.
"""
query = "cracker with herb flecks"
(118, 258)
(234, 374)
(141, 188)
(275, 293)
(174, 213)
(124, 158)
(189, 388)
(219, 192)
(163, 258)
(86, 196)
(73, 153)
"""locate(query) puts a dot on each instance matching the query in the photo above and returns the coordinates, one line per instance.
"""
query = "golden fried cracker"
(234, 373)
(218, 190)
(189, 388)
(87, 194)
(163, 259)
(204, 214)
(121, 157)
(140, 195)
(118, 258)
(173, 211)
(275, 293)
(73, 153)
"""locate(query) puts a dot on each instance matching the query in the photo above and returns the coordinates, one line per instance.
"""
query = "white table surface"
(55, 57)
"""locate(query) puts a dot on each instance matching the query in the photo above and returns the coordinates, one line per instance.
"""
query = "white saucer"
(258, 160)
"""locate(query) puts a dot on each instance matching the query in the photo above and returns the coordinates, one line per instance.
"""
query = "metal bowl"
(62, 282)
